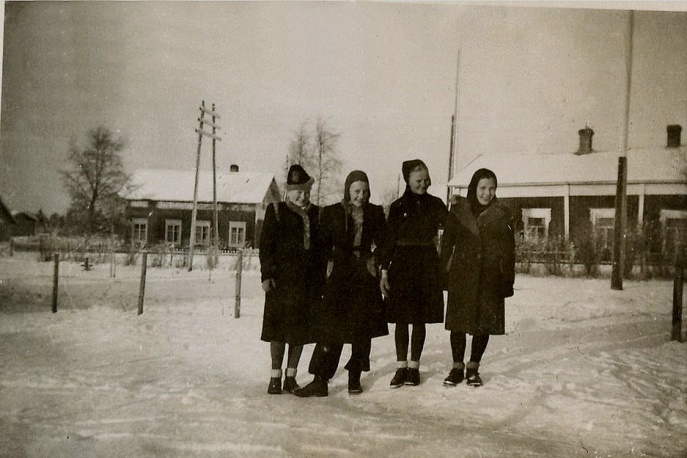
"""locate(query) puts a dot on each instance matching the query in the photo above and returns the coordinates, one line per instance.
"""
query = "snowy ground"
(583, 371)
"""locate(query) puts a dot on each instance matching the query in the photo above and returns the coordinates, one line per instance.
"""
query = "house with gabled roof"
(160, 206)
(7, 222)
(560, 195)
(27, 224)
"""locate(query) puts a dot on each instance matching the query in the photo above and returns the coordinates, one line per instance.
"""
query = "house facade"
(160, 207)
(7, 222)
(27, 224)
(564, 195)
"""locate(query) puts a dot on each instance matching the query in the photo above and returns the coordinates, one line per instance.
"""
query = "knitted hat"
(354, 176)
(298, 179)
(409, 166)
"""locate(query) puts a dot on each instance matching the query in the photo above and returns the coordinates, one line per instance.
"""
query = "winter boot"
(413, 376)
(354, 386)
(472, 374)
(290, 384)
(274, 386)
(399, 378)
(455, 377)
(317, 388)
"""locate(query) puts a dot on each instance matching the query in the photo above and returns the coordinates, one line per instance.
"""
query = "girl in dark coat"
(352, 311)
(292, 275)
(478, 251)
(410, 269)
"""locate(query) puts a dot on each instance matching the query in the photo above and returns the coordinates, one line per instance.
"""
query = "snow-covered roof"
(523, 169)
(17, 213)
(178, 186)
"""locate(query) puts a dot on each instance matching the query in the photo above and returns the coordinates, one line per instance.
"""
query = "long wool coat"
(297, 272)
(409, 252)
(353, 308)
(481, 252)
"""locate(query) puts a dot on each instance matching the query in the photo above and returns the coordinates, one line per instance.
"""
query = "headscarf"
(475, 207)
(409, 166)
(355, 212)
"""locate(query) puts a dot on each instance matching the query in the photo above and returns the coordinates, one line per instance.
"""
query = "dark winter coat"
(481, 273)
(298, 274)
(352, 308)
(409, 252)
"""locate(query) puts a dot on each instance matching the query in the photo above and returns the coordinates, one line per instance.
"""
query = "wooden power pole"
(201, 133)
(621, 188)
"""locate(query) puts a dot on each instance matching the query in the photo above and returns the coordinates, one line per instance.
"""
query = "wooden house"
(7, 222)
(160, 206)
(566, 194)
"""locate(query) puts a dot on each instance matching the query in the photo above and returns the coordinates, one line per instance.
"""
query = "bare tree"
(93, 177)
(319, 156)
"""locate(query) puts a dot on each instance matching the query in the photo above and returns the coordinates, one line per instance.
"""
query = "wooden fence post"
(142, 288)
(11, 247)
(677, 296)
(55, 277)
(239, 273)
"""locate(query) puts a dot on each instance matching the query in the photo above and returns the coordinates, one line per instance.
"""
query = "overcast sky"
(381, 74)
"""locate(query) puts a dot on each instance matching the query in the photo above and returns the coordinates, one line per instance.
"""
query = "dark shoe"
(473, 377)
(455, 377)
(413, 377)
(290, 384)
(399, 378)
(275, 385)
(354, 386)
(317, 388)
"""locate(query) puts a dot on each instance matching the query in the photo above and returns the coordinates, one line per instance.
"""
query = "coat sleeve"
(508, 256)
(268, 244)
(379, 224)
(448, 242)
(389, 238)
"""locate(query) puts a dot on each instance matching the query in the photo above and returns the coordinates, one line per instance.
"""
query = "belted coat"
(479, 255)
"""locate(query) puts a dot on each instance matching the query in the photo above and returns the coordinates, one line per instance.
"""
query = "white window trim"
(536, 213)
(203, 223)
(672, 214)
(172, 222)
(142, 222)
(239, 225)
(597, 213)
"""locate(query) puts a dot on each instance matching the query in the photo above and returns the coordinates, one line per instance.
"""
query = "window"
(139, 231)
(237, 233)
(603, 222)
(203, 232)
(536, 222)
(173, 231)
(674, 229)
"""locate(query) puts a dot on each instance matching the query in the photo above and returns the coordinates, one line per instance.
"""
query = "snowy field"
(583, 371)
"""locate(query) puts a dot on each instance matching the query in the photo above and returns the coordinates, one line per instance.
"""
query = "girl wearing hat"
(352, 311)
(410, 269)
(291, 273)
(478, 252)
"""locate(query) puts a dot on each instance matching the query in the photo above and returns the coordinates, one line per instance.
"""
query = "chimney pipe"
(233, 168)
(586, 135)
(674, 131)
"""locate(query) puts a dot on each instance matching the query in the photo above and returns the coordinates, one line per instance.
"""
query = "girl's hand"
(268, 285)
(384, 284)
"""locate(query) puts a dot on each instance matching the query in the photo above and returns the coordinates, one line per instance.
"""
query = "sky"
(383, 75)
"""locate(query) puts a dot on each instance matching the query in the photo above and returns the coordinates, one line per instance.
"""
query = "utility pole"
(454, 133)
(621, 188)
(201, 133)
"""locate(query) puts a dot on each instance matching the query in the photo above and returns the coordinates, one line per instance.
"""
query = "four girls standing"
(319, 272)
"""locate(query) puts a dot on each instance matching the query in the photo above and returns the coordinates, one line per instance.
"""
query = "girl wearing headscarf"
(478, 252)
(352, 310)
(410, 269)
(292, 275)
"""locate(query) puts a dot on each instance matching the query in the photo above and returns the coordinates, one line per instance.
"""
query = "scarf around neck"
(303, 213)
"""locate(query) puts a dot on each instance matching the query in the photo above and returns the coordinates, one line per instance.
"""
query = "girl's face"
(359, 192)
(486, 190)
(299, 198)
(418, 180)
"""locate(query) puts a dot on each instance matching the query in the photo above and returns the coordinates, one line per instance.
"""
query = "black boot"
(354, 386)
(472, 375)
(290, 384)
(274, 386)
(413, 376)
(317, 388)
(455, 377)
(400, 377)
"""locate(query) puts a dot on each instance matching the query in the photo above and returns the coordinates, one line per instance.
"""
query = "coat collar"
(461, 208)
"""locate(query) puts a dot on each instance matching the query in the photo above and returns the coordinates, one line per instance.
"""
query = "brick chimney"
(233, 168)
(586, 135)
(674, 131)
